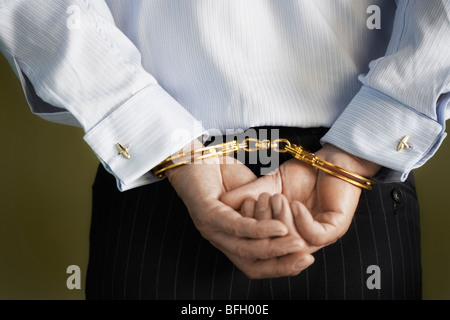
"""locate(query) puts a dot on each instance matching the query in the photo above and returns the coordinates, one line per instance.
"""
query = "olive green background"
(47, 172)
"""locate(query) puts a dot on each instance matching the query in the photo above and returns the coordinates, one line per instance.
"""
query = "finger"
(270, 184)
(232, 223)
(289, 265)
(282, 212)
(263, 209)
(248, 208)
(236, 172)
(256, 249)
(323, 229)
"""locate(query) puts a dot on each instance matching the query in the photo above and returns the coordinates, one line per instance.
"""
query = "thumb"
(235, 173)
(270, 184)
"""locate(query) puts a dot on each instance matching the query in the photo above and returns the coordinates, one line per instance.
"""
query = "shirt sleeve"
(405, 95)
(78, 68)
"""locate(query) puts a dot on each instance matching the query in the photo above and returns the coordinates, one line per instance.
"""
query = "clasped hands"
(269, 227)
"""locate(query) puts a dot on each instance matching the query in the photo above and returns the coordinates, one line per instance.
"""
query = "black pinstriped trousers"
(143, 245)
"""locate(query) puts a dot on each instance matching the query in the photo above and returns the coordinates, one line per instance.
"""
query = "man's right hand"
(260, 249)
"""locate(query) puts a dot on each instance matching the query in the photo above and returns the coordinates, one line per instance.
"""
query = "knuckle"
(203, 227)
(295, 272)
(287, 270)
(278, 196)
(200, 221)
(253, 274)
(205, 235)
(334, 240)
(240, 252)
(233, 229)
(264, 195)
(291, 269)
(316, 240)
(248, 269)
(258, 232)
(302, 245)
(248, 206)
(321, 241)
(343, 232)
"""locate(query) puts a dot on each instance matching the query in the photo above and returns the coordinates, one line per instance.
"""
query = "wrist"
(187, 149)
(348, 161)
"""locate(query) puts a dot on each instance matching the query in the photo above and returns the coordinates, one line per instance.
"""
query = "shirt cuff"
(373, 126)
(152, 126)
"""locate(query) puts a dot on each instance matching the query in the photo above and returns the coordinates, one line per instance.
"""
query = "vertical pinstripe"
(214, 276)
(131, 241)
(169, 212)
(289, 288)
(343, 269)
(372, 229)
(307, 284)
(144, 249)
(138, 71)
(360, 256)
(178, 258)
(105, 263)
(412, 279)
(388, 241)
(226, 83)
(403, 258)
(113, 280)
(325, 275)
(194, 279)
(248, 289)
(271, 289)
(231, 283)
(160, 254)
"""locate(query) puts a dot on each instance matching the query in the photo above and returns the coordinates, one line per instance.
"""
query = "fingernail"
(263, 203)
(282, 231)
(277, 205)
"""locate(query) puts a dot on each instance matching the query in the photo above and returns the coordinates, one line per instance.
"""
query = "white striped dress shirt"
(153, 75)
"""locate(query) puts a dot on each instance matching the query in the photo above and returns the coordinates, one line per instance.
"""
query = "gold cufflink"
(404, 143)
(124, 151)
